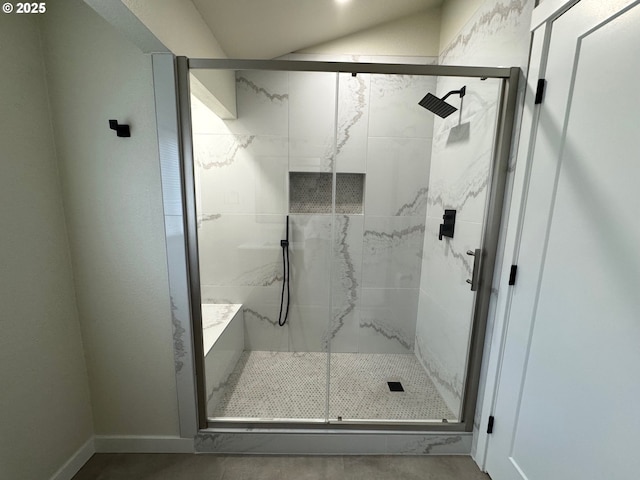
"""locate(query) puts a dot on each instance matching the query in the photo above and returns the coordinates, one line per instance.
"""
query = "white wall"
(45, 411)
(113, 203)
(179, 25)
(414, 35)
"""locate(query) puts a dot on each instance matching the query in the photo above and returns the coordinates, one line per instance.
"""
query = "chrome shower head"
(438, 105)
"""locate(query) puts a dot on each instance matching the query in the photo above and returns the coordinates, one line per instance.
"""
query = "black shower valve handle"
(447, 228)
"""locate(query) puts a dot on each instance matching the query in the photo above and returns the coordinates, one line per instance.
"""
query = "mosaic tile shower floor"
(286, 385)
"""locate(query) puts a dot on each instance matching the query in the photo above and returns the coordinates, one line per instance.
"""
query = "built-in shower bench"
(223, 343)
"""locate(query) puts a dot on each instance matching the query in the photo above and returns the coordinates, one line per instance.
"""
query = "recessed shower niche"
(374, 297)
(312, 193)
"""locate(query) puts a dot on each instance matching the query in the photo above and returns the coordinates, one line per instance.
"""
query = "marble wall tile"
(346, 282)
(334, 443)
(435, 444)
(241, 173)
(353, 121)
(446, 265)
(392, 252)
(290, 443)
(262, 99)
(262, 331)
(310, 254)
(221, 360)
(241, 250)
(307, 328)
(269, 295)
(394, 110)
(387, 320)
(180, 309)
(312, 109)
(342, 334)
(347, 259)
(181, 322)
(226, 293)
(446, 303)
(397, 176)
(462, 152)
(497, 34)
(263, 102)
(441, 347)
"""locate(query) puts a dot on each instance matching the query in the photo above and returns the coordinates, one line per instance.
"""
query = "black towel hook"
(121, 130)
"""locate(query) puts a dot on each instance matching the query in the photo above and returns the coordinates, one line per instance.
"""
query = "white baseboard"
(75, 463)
(150, 444)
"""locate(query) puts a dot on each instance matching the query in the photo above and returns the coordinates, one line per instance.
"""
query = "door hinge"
(542, 83)
(490, 425)
(512, 274)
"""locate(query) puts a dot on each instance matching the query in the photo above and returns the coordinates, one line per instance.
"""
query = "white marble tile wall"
(353, 122)
(497, 35)
(242, 173)
(334, 443)
(223, 342)
(394, 109)
(397, 175)
(396, 144)
(343, 332)
(312, 113)
(459, 178)
(388, 319)
(286, 122)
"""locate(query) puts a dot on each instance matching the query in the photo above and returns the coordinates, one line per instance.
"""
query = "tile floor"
(280, 385)
(133, 466)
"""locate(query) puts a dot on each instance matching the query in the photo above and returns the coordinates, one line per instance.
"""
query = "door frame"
(542, 19)
(187, 314)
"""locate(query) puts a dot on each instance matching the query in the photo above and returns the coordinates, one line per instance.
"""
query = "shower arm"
(460, 92)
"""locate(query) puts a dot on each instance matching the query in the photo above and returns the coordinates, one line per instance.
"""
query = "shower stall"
(342, 239)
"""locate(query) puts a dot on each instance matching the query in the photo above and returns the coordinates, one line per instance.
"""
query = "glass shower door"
(402, 309)
(261, 179)
(365, 314)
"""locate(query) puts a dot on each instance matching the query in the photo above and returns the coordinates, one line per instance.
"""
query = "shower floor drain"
(395, 386)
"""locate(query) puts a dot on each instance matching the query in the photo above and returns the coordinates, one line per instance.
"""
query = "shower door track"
(509, 77)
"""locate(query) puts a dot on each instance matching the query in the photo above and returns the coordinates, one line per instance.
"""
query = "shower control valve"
(448, 226)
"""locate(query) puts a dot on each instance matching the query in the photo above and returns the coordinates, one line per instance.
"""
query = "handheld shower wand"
(282, 320)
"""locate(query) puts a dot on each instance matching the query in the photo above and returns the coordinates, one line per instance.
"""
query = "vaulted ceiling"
(270, 28)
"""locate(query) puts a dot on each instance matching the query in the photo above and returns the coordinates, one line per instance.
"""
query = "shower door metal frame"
(504, 134)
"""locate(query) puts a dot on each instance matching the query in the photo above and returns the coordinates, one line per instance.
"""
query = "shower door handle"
(475, 275)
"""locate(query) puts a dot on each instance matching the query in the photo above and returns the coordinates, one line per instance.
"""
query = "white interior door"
(569, 386)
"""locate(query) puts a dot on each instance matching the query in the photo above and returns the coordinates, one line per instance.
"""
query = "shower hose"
(282, 319)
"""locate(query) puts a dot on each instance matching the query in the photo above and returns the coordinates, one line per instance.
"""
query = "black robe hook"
(121, 130)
